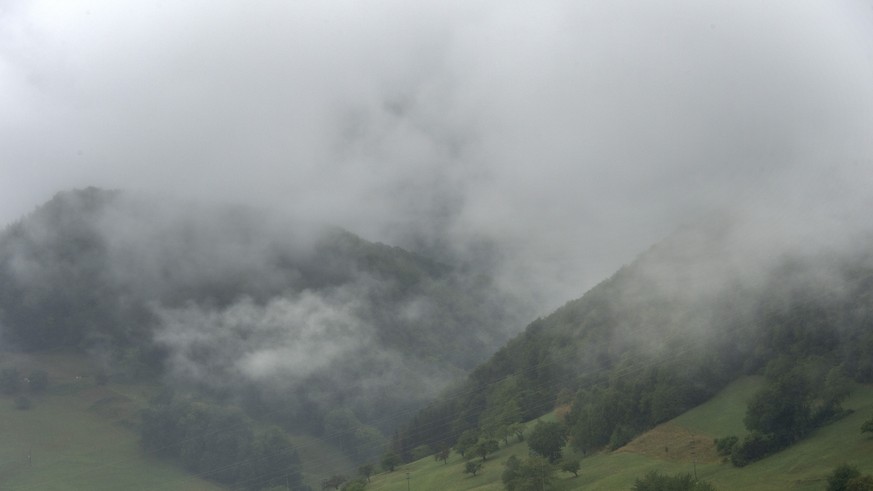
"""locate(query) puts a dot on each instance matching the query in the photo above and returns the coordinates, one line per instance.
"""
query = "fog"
(558, 139)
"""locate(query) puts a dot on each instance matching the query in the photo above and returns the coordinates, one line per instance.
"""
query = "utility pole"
(407, 481)
(694, 456)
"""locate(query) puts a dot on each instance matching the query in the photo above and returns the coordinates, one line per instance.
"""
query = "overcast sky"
(571, 133)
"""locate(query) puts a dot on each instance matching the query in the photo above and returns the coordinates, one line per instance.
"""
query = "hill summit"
(723, 299)
(286, 319)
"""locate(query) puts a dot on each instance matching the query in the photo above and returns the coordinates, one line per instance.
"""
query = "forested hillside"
(300, 324)
(666, 332)
(269, 326)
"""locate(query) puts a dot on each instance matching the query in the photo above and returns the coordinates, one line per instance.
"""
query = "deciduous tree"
(472, 467)
(548, 440)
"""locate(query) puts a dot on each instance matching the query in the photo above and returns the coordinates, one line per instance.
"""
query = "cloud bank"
(556, 138)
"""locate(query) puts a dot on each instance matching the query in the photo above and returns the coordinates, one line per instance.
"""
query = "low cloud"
(285, 341)
(555, 139)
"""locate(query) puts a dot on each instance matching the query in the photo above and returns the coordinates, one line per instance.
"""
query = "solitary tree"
(839, 479)
(548, 439)
(486, 447)
(389, 461)
(472, 467)
(443, 455)
(571, 465)
(531, 474)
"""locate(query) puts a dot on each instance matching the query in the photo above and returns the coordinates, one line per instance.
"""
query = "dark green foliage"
(503, 409)
(443, 455)
(390, 461)
(655, 481)
(467, 440)
(867, 427)
(531, 474)
(860, 483)
(799, 396)
(838, 480)
(485, 448)
(356, 485)
(517, 429)
(548, 440)
(571, 465)
(755, 446)
(10, 381)
(781, 409)
(366, 470)
(98, 271)
(725, 445)
(219, 444)
(472, 467)
(666, 333)
(621, 436)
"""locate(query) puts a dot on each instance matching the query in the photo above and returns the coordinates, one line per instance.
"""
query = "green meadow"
(681, 445)
(81, 435)
(78, 434)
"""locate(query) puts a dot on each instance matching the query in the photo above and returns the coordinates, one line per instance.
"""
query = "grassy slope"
(82, 436)
(78, 435)
(688, 442)
(320, 461)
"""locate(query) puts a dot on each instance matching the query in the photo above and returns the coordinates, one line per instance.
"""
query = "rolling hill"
(236, 315)
(706, 306)
(301, 325)
(681, 445)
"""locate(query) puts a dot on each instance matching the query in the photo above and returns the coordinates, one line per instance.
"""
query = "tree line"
(808, 338)
(220, 444)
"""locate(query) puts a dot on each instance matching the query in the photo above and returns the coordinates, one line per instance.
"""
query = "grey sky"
(573, 134)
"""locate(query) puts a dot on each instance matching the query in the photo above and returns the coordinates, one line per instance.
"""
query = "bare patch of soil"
(674, 443)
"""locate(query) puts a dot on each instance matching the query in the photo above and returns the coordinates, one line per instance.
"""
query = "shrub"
(755, 446)
(472, 467)
(655, 481)
(571, 465)
(725, 445)
(838, 480)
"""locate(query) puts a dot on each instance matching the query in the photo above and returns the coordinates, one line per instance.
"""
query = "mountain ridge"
(249, 307)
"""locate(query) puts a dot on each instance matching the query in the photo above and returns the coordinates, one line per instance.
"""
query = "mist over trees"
(315, 330)
(670, 330)
(518, 152)
(303, 324)
(220, 444)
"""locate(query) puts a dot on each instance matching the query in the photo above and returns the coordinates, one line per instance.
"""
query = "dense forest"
(259, 326)
(667, 332)
(301, 325)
